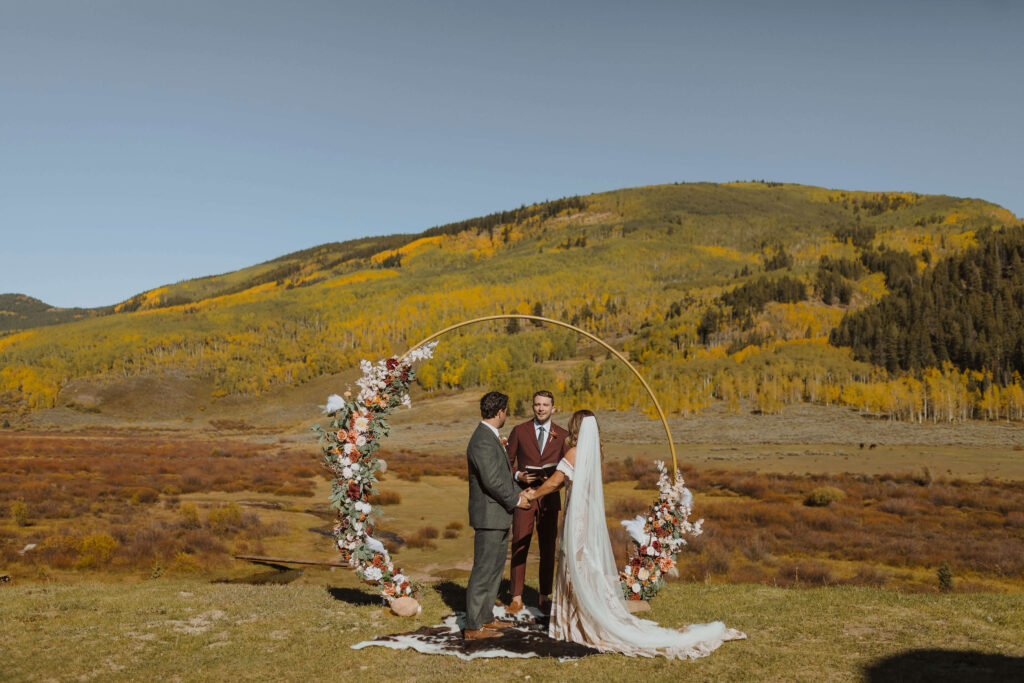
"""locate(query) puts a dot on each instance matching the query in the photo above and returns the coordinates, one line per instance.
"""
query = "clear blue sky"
(143, 143)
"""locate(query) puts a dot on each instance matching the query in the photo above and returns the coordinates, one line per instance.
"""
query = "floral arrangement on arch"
(658, 536)
(357, 426)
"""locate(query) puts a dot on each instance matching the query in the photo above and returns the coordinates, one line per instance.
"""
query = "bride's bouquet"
(658, 536)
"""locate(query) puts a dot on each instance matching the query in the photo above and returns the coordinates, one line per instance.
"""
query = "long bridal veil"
(590, 565)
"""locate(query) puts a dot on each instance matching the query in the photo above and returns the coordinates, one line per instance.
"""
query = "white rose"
(348, 448)
(399, 579)
(347, 473)
(628, 571)
(360, 440)
(651, 551)
(372, 573)
(362, 424)
(334, 403)
(636, 587)
(643, 574)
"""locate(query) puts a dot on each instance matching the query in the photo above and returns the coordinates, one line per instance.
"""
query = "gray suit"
(493, 496)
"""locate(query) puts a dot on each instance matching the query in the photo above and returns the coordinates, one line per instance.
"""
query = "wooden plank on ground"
(258, 559)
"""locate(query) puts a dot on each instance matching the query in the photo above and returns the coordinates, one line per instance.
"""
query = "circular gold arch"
(588, 335)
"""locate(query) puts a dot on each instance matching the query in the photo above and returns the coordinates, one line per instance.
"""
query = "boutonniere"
(504, 443)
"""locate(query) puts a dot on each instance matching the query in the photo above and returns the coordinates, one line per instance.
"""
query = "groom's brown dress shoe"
(497, 625)
(479, 634)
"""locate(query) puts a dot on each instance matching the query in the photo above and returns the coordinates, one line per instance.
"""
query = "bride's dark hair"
(574, 425)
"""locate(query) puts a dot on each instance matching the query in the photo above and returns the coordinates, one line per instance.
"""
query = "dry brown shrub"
(293, 490)
(386, 498)
(455, 524)
(754, 547)
(752, 487)
(1015, 519)
(824, 496)
(627, 508)
(718, 557)
(225, 424)
(417, 541)
(225, 518)
(819, 519)
(805, 573)
(200, 540)
(870, 575)
(59, 550)
(450, 533)
(899, 506)
(748, 573)
(428, 532)
(142, 494)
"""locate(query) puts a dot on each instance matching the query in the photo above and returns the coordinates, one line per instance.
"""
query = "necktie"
(540, 439)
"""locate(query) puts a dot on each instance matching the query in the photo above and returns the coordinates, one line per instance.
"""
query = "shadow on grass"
(454, 595)
(946, 665)
(280, 575)
(354, 596)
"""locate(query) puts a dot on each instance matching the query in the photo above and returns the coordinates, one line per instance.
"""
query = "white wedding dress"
(587, 604)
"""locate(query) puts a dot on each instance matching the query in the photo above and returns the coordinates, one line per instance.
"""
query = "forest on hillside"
(967, 309)
(717, 292)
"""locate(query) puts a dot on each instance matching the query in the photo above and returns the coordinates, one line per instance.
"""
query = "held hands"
(526, 497)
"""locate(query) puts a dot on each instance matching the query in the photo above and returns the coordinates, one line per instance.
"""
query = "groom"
(493, 495)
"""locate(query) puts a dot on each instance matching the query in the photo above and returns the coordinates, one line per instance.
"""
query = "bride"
(587, 605)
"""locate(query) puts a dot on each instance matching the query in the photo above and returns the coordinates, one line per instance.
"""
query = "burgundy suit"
(543, 513)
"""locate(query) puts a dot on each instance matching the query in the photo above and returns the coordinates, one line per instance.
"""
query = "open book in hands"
(543, 471)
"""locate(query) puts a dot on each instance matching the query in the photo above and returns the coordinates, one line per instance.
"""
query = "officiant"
(534, 449)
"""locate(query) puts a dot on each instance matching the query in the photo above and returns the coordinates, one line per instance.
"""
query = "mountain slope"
(20, 312)
(641, 267)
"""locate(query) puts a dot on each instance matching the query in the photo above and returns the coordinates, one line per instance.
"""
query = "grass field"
(186, 630)
(864, 602)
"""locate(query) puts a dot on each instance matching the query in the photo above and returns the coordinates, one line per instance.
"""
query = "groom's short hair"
(493, 403)
(546, 394)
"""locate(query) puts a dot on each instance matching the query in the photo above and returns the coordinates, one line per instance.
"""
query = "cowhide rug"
(528, 637)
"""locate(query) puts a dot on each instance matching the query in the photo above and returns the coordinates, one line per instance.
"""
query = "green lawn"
(188, 630)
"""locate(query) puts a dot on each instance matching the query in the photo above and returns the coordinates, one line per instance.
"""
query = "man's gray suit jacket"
(493, 494)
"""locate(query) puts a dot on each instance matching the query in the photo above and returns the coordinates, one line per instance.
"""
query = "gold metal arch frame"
(588, 335)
